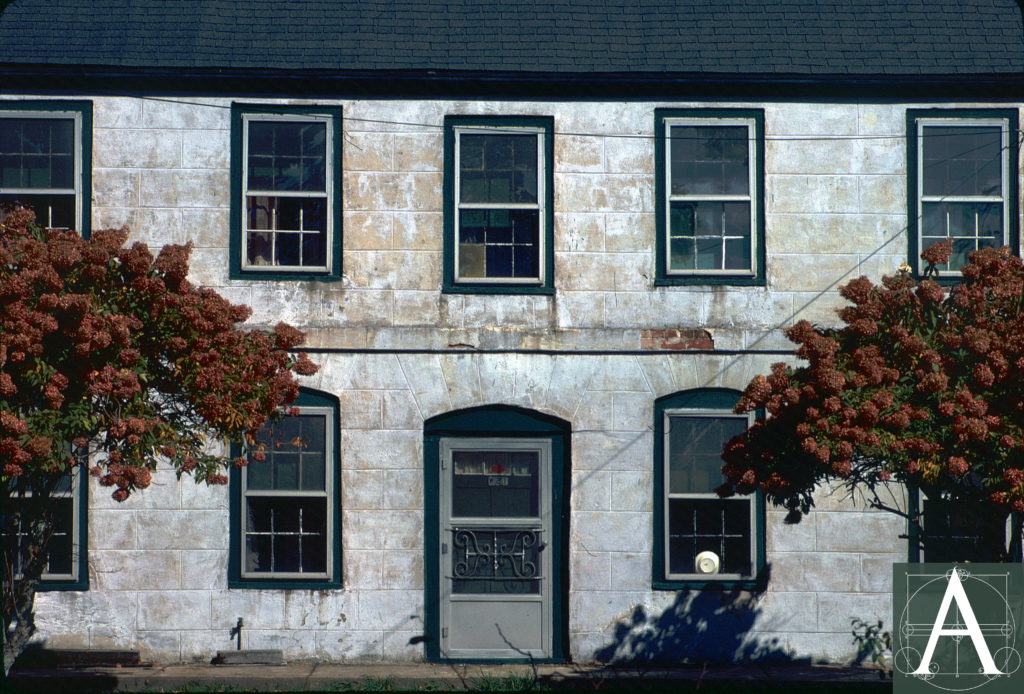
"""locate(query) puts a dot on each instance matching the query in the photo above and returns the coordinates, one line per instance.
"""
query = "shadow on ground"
(700, 626)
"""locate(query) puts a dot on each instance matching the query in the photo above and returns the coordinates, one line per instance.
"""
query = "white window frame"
(751, 197)
(666, 477)
(75, 116)
(327, 414)
(327, 195)
(923, 122)
(540, 205)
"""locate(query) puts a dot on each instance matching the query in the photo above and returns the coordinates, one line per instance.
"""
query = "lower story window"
(703, 537)
(964, 532)
(65, 549)
(286, 524)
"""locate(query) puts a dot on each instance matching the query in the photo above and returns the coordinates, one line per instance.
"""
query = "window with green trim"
(286, 528)
(498, 203)
(962, 182)
(700, 537)
(709, 175)
(45, 161)
(710, 180)
(286, 200)
(66, 550)
(957, 530)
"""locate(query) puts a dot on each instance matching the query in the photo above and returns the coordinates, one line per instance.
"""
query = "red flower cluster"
(918, 386)
(116, 350)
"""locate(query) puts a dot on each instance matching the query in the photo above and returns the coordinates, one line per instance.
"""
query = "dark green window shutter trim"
(505, 421)
(307, 398)
(661, 276)
(1013, 205)
(699, 399)
(449, 285)
(83, 542)
(235, 271)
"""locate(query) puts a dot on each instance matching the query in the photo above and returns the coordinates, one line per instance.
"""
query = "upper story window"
(700, 537)
(709, 193)
(963, 182)
(286, 203)
(66, 551)
(45, 152)
(498, 216)
(286, 528)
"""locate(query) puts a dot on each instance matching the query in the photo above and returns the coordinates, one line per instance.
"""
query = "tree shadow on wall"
(700, 626)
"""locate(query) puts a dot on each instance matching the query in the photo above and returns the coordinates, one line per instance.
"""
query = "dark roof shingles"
(909, 37)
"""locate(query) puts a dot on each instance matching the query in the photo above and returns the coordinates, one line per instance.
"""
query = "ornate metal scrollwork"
(482, 553)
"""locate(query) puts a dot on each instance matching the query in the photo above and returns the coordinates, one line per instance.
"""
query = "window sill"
(709, 280)
(284, 276)
(498, 289)
(283, 584)
(757, 583)
(46, 586)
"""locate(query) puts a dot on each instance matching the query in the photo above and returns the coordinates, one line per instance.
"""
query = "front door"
(495, 536)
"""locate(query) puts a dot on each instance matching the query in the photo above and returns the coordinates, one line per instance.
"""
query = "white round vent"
(707, 563)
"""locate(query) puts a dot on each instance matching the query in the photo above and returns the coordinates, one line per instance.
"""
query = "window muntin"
(963, 171)
(287, 215)
(710, 209)
(41, 165)
(695, 518)
(65, 542)
(287, 521)
(500, 205)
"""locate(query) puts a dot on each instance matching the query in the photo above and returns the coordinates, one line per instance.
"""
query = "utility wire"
(961, 130)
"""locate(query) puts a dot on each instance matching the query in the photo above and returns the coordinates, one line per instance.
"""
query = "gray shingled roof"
(811, 37)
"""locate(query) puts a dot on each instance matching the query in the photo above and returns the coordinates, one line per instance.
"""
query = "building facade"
(533, 304)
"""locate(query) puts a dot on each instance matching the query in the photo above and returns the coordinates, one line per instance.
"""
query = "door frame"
(497, 422)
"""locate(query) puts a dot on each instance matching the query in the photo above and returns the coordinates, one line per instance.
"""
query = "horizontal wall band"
(550, 352)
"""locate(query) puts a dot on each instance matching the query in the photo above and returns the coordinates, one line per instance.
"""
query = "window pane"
(287, 248)
(972, 225)
(695, 451)
(62, 171)
(287, 214)
(314, 249)
(709, 222)
(260, 249)
(498, 168)
(495, 484)
(709, 160)
(52, 211)
(286, 535)
(296, 455)
(962, 160)
(287, 156)
(37, 153)
(721, 526)
(499, 243)
(958, 532)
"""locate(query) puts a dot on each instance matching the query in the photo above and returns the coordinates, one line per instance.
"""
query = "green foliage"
(872, 642)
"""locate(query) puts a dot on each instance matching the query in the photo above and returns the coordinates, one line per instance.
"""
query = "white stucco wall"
(835, 203)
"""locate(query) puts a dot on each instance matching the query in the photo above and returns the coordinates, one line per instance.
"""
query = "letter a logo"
(955, 591)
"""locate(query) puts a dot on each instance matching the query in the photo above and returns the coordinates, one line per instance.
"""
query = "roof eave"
(97, 79)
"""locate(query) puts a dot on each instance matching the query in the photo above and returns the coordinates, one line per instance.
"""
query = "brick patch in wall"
(676, 338)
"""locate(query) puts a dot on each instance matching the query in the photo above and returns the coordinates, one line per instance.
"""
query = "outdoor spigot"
(237, 631)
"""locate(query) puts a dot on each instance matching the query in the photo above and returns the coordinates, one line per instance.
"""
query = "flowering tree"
(109, 357)
(921, 386)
